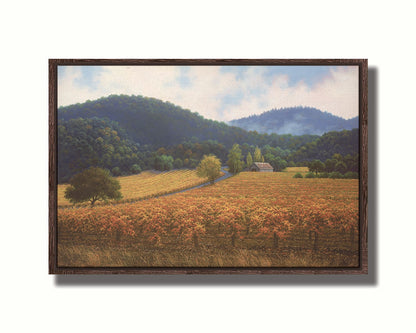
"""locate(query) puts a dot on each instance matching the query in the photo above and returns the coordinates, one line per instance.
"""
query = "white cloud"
(337, 93)
(207, 87)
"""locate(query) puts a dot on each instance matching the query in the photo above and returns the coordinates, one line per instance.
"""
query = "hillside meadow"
(147, 184)
(249, 220)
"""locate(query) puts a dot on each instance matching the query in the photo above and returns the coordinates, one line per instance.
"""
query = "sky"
(219, 92)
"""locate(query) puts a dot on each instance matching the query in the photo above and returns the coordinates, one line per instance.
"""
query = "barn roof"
(263, 166)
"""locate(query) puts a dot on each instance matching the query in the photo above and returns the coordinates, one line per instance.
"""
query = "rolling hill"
(154, 122)
(150, 121)
(295, 121)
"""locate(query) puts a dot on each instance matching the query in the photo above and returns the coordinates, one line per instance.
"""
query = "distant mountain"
(295, 121)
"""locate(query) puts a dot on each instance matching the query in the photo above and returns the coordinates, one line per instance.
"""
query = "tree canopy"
(316, 166)
(257, 155)
(249, 159)
(91, 185)
(210, 167)
(235, 164)
(83, 143)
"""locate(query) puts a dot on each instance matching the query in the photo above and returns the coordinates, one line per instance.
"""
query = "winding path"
(226, 175)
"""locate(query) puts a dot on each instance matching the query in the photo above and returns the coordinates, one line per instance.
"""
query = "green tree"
(330, 165)
(135, 169)
(316, 166)
(341, 167)
(278, 164)
(249, 159)
(257, 155)
(235, 164)
(178, 164)
(268, 157)
(91, 185)
(163, 163)
(209, 167)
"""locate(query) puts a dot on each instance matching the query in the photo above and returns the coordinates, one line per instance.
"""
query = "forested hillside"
(295, 121)
(94, 142)
(343, 143)
(127, 134)
(154, 122)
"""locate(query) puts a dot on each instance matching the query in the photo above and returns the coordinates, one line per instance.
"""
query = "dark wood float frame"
(362, 64)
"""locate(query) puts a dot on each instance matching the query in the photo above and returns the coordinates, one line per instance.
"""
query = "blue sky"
(219, 92)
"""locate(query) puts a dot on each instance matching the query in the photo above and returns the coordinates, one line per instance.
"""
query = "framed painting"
(208, 166)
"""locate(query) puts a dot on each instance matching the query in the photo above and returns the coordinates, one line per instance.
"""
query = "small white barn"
(261, 167)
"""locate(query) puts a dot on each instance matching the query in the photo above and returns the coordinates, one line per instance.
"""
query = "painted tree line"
(149, 134)
(83, 143)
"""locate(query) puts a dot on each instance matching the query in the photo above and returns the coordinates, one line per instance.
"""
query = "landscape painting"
(207, 166)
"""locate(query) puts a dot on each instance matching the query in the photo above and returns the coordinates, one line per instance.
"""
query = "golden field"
(147, 184)
(251, 219)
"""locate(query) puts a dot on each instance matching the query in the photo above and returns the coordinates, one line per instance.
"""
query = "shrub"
(310, 175)
(336, 175)
(351, 175)
(135, 169)
(298, 175)
(323, 175)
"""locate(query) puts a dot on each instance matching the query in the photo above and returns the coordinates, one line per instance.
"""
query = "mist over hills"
(296, 121)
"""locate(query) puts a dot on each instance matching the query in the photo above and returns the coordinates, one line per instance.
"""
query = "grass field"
(106, 256)
(252, 219)
(147, 184)
(293, 170)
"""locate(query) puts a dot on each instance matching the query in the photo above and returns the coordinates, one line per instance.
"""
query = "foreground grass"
(108, 256)
(214, 251)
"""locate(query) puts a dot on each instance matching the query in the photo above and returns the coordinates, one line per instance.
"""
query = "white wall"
(33, 31)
